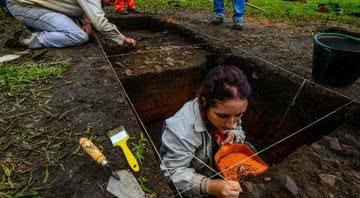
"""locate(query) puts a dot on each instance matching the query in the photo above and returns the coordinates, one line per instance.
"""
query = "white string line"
(131, 104)
(210, 168)
(278, 142)
(292, 103)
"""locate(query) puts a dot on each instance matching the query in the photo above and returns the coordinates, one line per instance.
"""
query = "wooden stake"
(254, 6)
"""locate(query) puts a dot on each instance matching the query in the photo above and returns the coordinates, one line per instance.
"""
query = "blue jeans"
(51, 29)
(239, 7)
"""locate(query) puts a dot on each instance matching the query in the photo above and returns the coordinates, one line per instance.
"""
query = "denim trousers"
(51, 29)
(239, 7)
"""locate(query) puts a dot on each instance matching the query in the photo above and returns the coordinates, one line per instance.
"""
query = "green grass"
(276, 10)
(287, 11)
(13, 76)
(142, 182)
(138, 149)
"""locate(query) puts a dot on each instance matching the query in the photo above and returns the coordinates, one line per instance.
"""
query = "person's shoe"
(217, 20)
(238, 25)
(21, 39)
(26, 36)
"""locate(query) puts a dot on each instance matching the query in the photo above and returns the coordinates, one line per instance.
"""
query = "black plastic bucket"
(336, 59)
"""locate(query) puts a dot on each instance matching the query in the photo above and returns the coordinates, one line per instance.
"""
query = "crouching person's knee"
(78, 38)
(83, 38)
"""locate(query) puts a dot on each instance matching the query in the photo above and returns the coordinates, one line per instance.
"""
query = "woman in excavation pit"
(199, 127)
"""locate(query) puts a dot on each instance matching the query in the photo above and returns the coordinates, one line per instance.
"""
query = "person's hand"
(87, 28)
(223, 188)
(130, 42)
(229, 137)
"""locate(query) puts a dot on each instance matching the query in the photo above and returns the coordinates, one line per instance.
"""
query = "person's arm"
(95, 13)
(177, 154)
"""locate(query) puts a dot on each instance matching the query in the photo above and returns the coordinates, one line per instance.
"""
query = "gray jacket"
(185, 136)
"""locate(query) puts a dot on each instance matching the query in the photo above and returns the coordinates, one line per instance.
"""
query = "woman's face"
(226, 113)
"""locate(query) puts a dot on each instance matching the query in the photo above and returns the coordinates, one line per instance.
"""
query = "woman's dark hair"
(223, 82)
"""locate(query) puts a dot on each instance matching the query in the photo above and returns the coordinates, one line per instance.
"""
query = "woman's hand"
(131, 42)
(229, 138)
(87, 28)
(223, 188)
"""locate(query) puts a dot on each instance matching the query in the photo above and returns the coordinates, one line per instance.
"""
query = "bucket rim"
(316, 40)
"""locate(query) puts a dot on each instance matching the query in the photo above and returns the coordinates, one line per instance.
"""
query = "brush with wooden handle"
(119, 137)
(97, 155)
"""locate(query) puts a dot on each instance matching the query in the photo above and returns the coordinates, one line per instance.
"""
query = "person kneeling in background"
(53, 26)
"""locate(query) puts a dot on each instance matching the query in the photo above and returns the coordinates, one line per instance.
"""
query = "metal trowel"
(126, 187)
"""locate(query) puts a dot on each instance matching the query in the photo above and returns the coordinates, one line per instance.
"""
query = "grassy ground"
(276, 10)
(21, 96)
(15, 75)
(288, 11)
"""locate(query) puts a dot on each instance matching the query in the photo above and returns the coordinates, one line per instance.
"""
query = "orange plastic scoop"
(231, 160)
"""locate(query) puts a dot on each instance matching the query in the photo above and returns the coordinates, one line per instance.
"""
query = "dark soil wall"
(157, 96)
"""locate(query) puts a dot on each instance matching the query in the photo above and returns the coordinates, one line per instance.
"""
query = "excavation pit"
(166, 68)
